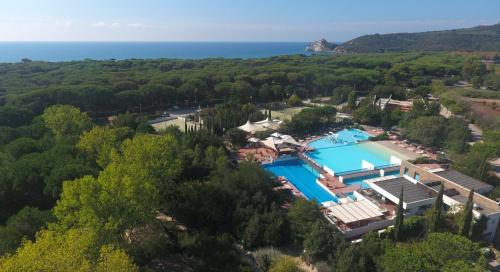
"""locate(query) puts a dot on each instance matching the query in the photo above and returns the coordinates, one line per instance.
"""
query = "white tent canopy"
(253, 140)
(268, 123)
(260, 125)
(271, 143)
(250, 127)
(355, 211)
(277, 134)
(289, 139)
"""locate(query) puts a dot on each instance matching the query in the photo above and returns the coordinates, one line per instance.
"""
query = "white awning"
(253, 140)
(268, 123)
(251, 127)
(355, 211)
(269, 142)
(277, 134)
(248, 126)
(289, 139)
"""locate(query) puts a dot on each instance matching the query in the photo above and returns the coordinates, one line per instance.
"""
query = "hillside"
(480, 38)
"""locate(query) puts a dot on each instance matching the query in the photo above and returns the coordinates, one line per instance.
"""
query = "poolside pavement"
(403, 152)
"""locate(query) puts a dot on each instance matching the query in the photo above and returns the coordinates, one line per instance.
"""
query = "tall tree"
(437, 211)
(478, 228)
(322, 242)
(351, 100)
(467, 220)
(398, 222)
(74, 250)
(65, 120)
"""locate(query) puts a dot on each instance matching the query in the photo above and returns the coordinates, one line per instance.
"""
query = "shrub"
(381, 137)
(265, 257)
(285, 264)
(413, 227)
(294, 101)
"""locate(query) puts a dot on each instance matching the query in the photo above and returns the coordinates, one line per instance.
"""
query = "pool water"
(348, 158)
(341, 138)
(344, 154)
(302, 176)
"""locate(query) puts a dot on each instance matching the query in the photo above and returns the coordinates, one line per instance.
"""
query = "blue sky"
(233, 20)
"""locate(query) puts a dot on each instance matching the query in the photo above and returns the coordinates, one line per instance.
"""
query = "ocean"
(69, 51)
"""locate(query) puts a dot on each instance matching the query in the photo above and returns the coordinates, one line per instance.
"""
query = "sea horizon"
(57, 51)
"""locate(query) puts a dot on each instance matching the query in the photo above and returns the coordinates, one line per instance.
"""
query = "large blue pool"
(344, 154)
(302, 176)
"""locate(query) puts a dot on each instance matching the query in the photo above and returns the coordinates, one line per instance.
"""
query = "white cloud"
(106, 24)
(139, 25)
(63, 29)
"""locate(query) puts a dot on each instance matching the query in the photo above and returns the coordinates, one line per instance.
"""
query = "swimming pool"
(303, 176)
(344, 154)
(343, 137)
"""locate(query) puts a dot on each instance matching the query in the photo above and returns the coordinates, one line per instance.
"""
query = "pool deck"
(329, 181)
(402, 150)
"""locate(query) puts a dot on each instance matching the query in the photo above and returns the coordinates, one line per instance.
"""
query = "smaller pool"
(361, 180)
(302, 176)
(343, 137)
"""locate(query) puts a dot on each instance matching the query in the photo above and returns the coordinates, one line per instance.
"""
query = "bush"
(294, 101)
(413, 227)
(322, 267)
(236, 136)
(265, 257)
(381, 137)
(285, 264)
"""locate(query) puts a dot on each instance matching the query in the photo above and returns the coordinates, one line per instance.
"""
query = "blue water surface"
(344, 154)
(68, 51)
(303, 176)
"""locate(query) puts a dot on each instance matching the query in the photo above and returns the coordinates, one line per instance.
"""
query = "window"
(406, 171)
(416, 176)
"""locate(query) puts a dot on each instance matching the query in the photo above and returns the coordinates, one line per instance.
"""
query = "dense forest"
(480, 38)
(102, 87)
(81, 194)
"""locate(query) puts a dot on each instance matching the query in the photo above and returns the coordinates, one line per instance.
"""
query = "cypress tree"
(398, 222)
(185, 126)
(437, 211)
(467, 221)
(269, 114)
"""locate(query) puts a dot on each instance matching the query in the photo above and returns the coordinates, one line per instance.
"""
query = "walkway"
(476, 133)
(329, 181)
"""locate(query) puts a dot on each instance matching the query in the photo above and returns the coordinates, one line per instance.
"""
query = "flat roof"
(355, 211)
(412, 192)
(464, 180)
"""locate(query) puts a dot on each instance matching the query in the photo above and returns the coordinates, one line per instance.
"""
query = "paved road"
(477, 133)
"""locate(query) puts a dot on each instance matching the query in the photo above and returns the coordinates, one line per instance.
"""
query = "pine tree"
(437, 211)
(467, 221)
(398, 222)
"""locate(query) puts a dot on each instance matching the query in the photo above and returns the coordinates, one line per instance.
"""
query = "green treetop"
(66, 120)
(398, 222)
(437, 210)
(467, 220)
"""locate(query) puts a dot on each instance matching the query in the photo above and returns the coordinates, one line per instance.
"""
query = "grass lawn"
(175, 122)
(475, 93)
